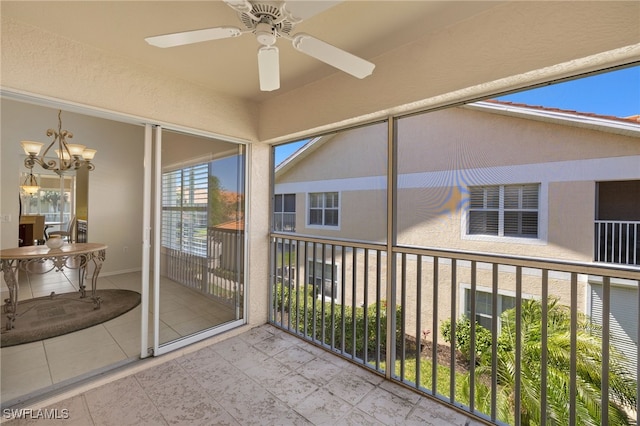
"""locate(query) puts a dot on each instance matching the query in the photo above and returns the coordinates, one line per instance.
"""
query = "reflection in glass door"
(198, 239)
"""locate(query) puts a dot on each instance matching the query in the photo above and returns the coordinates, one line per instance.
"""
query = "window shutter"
(521, 210)
(514, 214)
(623, 320)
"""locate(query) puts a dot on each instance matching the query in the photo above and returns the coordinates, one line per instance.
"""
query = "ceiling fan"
(270, 20)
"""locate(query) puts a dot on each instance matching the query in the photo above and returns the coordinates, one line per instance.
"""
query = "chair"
(68, 234)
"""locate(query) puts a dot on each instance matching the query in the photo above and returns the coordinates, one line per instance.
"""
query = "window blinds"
(185, 202)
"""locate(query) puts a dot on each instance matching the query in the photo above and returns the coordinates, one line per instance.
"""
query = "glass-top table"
(42, 259)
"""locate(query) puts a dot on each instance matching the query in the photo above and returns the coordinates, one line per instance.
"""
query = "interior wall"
(115, 186)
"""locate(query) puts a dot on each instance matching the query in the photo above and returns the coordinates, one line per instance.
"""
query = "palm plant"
(622, 385)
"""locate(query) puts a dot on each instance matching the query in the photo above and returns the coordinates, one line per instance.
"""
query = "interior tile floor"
(262, 376)
(45, 365)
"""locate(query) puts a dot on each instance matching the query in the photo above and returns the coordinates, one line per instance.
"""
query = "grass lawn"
(442, 377)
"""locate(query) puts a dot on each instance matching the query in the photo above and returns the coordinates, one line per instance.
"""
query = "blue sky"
(614, 93)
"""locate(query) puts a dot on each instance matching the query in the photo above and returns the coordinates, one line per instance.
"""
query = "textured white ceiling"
(365, 28)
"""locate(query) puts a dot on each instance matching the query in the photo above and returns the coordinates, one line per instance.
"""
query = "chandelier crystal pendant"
(70, 156)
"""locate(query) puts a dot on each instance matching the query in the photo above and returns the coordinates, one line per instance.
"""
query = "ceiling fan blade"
(332, 55)
(196, 36)
(242, 6)
(269, 68)
(305, 9)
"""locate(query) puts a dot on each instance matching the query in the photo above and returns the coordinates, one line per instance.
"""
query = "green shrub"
(463, 338)
(309, 319)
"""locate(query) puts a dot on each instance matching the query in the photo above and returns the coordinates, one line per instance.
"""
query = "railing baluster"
(378, 305)
(418, 318)
(607, 257)
(333, 297)
(403, 303)
(289, 286)
(573, 338)
(472, 339)
(604, 387)
(365, 337)
(273, 286)
(354, 297)
(518, 374)
(544, 347)
(636, 246)
(343, 304)
(494, 341)
(452, 348)
(435, 328)
(620, 242)
(282, 263)
(314, 335)
(297, 280)
(323, 327)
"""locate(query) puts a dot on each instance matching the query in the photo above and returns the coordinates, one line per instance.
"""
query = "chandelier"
(70, 156)
(30, 185)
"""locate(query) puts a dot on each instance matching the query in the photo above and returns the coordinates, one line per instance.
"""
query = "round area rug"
(51, 316)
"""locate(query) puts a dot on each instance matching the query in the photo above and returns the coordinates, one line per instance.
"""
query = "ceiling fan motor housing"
(266, 12)
(265, 33)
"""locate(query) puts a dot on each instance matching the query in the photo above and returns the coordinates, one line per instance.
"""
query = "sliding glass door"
(194, 238)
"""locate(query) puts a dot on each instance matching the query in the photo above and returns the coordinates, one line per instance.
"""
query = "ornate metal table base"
(40, 260)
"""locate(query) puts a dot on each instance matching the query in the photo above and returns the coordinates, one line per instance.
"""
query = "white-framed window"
(324, 209)
(185, 201)
(284, 212)
(324, 278)
(55, 199)
(484, 304)
(504, 210)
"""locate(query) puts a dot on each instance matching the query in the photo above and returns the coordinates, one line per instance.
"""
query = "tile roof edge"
(633, 119)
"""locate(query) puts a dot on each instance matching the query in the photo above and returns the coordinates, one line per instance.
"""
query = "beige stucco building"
(546, 195)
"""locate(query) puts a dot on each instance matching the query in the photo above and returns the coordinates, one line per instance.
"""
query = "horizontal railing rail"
(334, 294)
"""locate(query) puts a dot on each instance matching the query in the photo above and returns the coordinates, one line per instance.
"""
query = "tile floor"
(54, 362)
(263, 376)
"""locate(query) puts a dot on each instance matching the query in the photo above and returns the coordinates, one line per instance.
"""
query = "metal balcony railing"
(215, 269)
(404, 313)
(617, 242)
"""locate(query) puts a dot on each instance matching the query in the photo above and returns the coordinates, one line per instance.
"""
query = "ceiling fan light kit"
(268, 21)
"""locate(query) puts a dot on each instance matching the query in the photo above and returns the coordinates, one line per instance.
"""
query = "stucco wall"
(441, 154)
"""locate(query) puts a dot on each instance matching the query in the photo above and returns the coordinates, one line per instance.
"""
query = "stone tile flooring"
(32, 367)
(263, 376)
